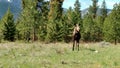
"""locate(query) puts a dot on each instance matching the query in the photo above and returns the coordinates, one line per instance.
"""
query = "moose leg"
(78, 45)
(73, 45)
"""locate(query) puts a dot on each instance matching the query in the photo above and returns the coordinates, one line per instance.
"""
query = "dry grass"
(58, 55)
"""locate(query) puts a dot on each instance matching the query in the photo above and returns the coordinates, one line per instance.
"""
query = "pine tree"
(112, 25)
(54, 18)
(55, 9)
(88, 26)
(68, 18)
(34, 18)
(44, 20)
(77, 15)
(9, 30)
(99, 22)
(77, 11)
(93, 9)
(99, 28)
(104, 10)
(1, 28)
(24, 3)
(29, 21)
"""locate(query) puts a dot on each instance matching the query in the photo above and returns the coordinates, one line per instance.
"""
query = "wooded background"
(47, 21)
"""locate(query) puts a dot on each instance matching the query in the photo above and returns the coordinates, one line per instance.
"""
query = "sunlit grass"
(58, 55)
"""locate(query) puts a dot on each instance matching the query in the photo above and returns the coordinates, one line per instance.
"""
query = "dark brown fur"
(76, 39)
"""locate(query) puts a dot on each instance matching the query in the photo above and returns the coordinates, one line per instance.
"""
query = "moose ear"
(74, 24)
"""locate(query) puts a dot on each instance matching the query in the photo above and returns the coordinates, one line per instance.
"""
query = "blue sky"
(87, 3)
(84, 3)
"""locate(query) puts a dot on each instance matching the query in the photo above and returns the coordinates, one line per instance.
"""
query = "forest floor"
(59, 55)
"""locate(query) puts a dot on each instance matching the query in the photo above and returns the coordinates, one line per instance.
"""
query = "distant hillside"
(86, 10)
(14, 5)
(98, 11)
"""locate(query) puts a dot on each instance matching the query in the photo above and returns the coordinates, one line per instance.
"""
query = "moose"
(76, 37)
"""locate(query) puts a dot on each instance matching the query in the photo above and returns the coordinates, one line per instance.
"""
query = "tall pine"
(88, 28)
(29, 20)
(77, 12)
(100, 21)
(1, 29)
(103, 10)
(54, 20)
(112, 25)
(93, 9)
(68, 18)
(92, 12)
(55, 9)
(9, 30)
(43, 20)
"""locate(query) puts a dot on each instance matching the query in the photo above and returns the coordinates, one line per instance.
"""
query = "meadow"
(58, 55)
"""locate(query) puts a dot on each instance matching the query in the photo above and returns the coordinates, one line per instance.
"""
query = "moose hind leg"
(78, 45)
(73, 45)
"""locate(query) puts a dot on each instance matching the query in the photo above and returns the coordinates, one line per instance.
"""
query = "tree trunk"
(33, 34)
(115, 41)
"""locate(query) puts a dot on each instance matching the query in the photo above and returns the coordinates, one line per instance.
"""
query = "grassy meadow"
(58, 55)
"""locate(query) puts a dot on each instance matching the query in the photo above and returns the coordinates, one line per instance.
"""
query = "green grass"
(58, 55)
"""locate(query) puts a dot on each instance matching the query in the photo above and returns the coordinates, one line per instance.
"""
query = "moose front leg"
(78, 45)
(73, 45)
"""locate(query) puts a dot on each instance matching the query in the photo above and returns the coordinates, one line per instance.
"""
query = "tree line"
(47, 21)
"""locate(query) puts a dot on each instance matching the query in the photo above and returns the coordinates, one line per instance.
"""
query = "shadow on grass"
(91, 49)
